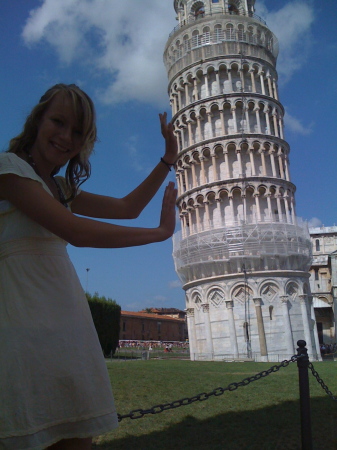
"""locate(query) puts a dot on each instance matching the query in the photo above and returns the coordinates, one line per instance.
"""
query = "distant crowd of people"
(153, 345)
(327, 349)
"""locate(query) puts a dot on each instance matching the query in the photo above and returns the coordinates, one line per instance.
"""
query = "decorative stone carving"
(216, 297)
(269, 292)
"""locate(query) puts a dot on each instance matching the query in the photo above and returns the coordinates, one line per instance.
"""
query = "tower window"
(318, 247)
(232, 9)
(316, 275)
(199, 12)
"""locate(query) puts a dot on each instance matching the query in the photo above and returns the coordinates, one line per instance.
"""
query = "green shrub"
(106, 315)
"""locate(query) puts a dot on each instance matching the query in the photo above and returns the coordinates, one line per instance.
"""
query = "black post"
(302, 364)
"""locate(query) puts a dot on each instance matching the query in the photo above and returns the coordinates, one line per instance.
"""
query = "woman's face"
(59, 136)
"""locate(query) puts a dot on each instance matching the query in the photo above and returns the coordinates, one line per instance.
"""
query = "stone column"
(287, 325)
(185, 175)
(244, 199)
(281, 127)
(196, 97)
(266, 112)
(253, 80)
(218, 207)
(269, 85)
(206, 84)
(230, 80)
(275, 124)
(242, 79)
(202, 172)
(183, 223)
(208, 329)
(218, 81)
(190, 221)
(260, 326)
(182, 190)
(192, 338)
(247, 119)
(258, 121)
(172, 105)
(222, 122)
(225, 154)
(215, 175)
(187, 97)
(179, 98)
(232, 330)
(293, 215)
(306, 325)
(199, 128)
(231, 204)
(197, 216)
(279, 207)
(252, 162)
(262, 83)
(175, 103)
(206, 203)
(270, 211)
(178, 184)
(275, 89)
(182, 128)
(209, 120)
(272, 161)
(234, 119)
(194, 178)
(257, 202)
(287, 168)
(280, 163)
(238, 152)
(313, 321)
(286, 207)
(190, 138)
(178, 136)
(263, 160)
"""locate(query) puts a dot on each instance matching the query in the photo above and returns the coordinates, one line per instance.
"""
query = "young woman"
(55, 391)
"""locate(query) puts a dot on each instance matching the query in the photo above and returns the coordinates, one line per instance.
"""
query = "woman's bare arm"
(30, 197)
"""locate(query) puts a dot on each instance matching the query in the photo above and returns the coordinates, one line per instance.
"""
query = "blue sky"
(113, 50)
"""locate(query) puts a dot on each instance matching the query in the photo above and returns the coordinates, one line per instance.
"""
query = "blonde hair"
(78, 168)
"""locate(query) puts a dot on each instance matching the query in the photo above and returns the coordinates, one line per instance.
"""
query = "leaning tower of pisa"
(242, 254)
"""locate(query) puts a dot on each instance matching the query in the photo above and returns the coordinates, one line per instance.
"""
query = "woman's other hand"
(171, 148)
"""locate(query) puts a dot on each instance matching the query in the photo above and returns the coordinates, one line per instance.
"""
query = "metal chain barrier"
(321, 382)
(139, 413)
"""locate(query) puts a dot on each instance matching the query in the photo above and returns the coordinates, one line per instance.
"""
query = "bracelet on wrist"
(168, 165)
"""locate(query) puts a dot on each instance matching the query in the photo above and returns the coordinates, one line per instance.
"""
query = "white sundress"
(54, 382)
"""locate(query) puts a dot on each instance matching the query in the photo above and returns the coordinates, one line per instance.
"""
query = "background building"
(323, 281)
(242, 254)
(142, 326)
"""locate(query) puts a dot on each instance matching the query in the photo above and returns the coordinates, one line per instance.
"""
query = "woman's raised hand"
(168, 213)
(171, 149)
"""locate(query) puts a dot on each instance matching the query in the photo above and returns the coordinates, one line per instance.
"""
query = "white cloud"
(160, 298)
(295, 125)
(175, 284)
(292, 26)
(123, 39)
(132, 149)
(314, 222)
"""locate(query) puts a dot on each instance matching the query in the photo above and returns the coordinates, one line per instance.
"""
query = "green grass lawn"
(263, 415)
